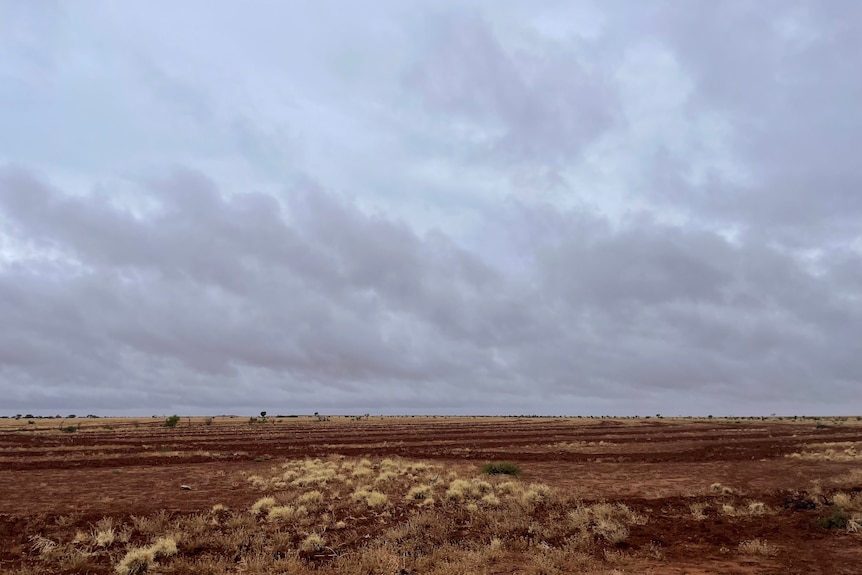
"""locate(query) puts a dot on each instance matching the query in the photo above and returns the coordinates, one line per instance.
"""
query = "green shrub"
(501, 468)
(69, 429)
(835, 518)
(172, 421)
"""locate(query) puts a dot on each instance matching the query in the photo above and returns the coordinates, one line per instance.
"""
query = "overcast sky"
(629, 207)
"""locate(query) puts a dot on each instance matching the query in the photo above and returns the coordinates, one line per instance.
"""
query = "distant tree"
(263, 414)
(172, 421)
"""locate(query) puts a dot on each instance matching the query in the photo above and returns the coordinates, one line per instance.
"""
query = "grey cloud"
(356, 219)
(211, 280)
(208, 288)
(781, 76)
(537, 104)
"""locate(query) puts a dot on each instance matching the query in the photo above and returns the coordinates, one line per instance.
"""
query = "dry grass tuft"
(849, 480)
(491, 500)
(104, 537)
(311, 498)
(370, 497)
(697, 510)
(281, 513)
(135, 561)
(757, 547)
(164, 547)
(757, 508)
(312, 544)
(536, 494)
(42, 545)
(721, 489)
(457, 490)
(752, 509)
(376, 499)
(141, 560)
(609, 521)
(263, 505)
(419, 493)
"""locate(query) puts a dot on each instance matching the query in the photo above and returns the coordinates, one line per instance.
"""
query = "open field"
(407, 495)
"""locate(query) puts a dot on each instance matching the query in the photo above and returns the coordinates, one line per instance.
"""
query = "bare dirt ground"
(697, 483)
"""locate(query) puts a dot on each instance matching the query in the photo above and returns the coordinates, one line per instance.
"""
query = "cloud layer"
(573, 209)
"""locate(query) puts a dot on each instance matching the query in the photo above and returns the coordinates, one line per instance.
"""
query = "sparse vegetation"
(841, 451)
(172, 421)
(303, 499)
(348, 515)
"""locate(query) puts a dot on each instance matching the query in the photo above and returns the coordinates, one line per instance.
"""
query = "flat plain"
(403, 495)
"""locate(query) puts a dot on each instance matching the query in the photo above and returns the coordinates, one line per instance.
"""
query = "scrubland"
(431, 495)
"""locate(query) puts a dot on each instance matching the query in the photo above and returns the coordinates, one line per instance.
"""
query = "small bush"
(69, 429)
(172, 421)
(501, 468)
(836, 518)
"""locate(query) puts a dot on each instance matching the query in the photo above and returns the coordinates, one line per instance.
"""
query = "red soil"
(658, 467)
